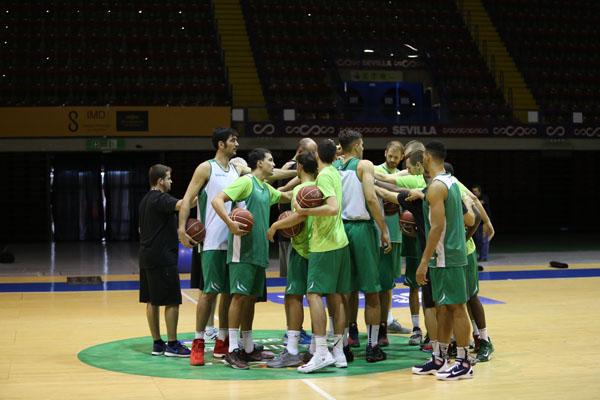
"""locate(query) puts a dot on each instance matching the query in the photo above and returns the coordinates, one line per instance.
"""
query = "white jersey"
(216, 230)
(354, 206)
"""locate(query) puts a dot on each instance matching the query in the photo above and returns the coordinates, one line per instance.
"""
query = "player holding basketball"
(328, 262)
(360, 208)
(247, 252)
(297, 266)
(444, 225)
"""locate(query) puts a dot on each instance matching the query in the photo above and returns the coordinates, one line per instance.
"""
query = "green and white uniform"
(360, 229)
(447, 266)
(411, 249)
(390, 265)
(471, 271)
(297, 273)
(214, 248)
(328, 258)
(248, 255)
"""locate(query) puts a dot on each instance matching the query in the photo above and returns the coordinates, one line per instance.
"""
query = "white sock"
(233, 339)
(345, 338)
(330, 330)
(390, 319)
(435, 345)
(444, 350)
(222, 335)
(292, 344)
(415, 320)
(199, 335)
(475, 330)
(461, 353)
(372, 334)
(210, 328)
(321, 342)
(483, 335)
(313, 345)
(247, 341)
(338, 342)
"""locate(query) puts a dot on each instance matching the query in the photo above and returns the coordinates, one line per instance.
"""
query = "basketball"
(309, 197)
(291, 231)
(407, 224)
(244, 217)
(390, 208)
(195, 229)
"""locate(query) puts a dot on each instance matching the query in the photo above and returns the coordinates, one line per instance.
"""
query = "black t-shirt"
(158, 230)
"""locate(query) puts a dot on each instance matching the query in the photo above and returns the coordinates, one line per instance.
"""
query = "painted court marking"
(317, 389)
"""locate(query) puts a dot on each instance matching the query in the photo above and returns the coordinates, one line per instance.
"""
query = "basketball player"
(390, 265)
(159, 277)
(328, 261)
(297, 266)
(247, 252)
(444, 225)
(360, 207)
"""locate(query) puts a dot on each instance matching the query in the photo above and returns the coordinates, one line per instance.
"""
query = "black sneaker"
(235, 360)
(349, 354)
(353, 335)
(375, 354)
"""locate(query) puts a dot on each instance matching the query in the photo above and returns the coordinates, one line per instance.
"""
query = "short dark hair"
(221, 135)
(347, 137)
(257, 155)
(156, 172)
(394, 144)
(449, 168)
(326, 150)
(308, 162)
(415, 157)
(437, 150)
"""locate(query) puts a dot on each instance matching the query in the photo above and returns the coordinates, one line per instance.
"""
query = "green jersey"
(328, 232)
(463, 193)
(300, 241)
(257, 197)
(451, 250)
(392, 221)
(411, 182)
(410, 245)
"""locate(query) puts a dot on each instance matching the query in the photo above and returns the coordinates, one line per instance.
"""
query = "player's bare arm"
(329, 209)
(201, 175)
(292, 220)
(366, 171)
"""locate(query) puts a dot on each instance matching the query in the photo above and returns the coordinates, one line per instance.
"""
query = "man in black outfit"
(159, 276)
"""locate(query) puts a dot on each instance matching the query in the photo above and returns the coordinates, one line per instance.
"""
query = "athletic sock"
(247, 341)
(321, 343)
(233, 339)
(415, 320)
(171, 343)
(313, 345)
(435, 345)
(372, 334)
(222, 335)
(159, 341)
(461, 353)
(475, 330)
(199, 335)
(483, 335)
(330, 331)
(346, 333)
(292, 344)
(390, 319)
(444, 351)
(338, 342)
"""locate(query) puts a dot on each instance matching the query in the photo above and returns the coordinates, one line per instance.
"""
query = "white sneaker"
(317, 362)
(211, 334)
(340, 358)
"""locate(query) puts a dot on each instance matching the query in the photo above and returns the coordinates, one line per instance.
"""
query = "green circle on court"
(132, 356)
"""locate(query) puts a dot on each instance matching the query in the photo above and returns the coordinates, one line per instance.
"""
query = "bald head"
(306, 145)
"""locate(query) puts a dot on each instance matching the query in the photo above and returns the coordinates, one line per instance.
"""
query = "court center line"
(317, 389)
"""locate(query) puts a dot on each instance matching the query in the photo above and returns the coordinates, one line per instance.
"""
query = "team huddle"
(350, 225)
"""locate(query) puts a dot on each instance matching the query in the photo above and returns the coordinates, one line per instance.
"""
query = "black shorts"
(160, 286)
(427, 294)
(196, 278)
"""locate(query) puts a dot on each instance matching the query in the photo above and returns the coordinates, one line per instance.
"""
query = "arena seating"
(556, 44)
(110, 52)
(295, 46)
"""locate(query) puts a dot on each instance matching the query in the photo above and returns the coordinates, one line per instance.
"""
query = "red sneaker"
(197, 356)
(221, 348)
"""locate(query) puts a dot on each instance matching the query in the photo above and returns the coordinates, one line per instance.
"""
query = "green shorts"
(215, 271)
(364, 256)
(410, 272)
(472, 275)
(448, 285)
(389, 264)
(246, 279)
(297, 273)
(329, 272)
